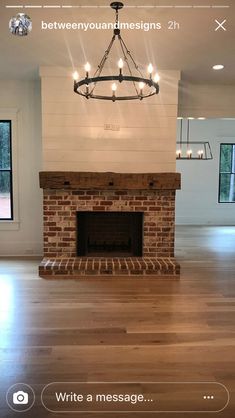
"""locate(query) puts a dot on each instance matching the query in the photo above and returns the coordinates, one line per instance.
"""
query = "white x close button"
(220, 25)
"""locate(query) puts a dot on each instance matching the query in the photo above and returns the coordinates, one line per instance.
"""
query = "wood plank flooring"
(104, 329)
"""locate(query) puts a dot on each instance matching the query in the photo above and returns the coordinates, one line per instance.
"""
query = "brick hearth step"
(75, 267)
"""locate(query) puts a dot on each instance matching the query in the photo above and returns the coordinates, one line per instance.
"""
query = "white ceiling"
(193, 49)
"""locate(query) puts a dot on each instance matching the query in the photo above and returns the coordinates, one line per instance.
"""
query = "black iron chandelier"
(143, 87)
(192, 150)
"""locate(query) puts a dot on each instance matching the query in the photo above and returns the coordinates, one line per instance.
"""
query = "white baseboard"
(20, 248)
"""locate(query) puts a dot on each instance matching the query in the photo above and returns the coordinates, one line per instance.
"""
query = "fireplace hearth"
(109, 224)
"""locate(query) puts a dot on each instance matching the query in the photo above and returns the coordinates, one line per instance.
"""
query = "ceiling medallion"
(143, 87)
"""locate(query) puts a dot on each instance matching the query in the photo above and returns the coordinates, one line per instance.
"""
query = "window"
(6, 204)
(227, 173)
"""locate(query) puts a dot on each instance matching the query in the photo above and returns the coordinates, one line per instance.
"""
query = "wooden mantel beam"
(64, 180)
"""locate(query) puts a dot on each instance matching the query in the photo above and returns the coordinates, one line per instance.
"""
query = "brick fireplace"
(108, 224)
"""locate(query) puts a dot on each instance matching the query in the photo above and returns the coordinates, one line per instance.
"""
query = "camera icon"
(20, 398)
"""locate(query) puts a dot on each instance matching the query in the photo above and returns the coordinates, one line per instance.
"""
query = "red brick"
(92, 193)
(106, 202)
(154, 209)
(64, 213)
(97, 208)
(134, 203)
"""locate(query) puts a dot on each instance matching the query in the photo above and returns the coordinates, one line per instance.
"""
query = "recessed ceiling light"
(218, 67)
(179, 117)
(190, 118)
(201, 118)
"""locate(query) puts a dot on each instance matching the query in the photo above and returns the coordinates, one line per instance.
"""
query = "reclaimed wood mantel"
(64, 180)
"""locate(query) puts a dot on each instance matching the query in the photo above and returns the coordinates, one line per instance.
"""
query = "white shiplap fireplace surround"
(89, 136)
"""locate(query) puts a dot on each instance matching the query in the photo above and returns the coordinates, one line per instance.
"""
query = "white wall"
(74, 138)
(211, 101)
(197, 202)
(23, 236)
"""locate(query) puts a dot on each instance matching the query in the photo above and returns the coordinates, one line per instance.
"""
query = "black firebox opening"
(109, 234)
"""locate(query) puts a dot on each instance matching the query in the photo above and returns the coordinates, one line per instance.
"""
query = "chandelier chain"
(181, 131)
(131, 57)
(128, 65)
(103, 61)
(117, 19)
(188, 133)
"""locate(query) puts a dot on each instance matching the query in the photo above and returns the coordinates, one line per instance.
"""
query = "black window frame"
(222, 172)
(10, 170)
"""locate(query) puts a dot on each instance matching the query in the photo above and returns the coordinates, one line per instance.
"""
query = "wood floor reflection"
(123, 330)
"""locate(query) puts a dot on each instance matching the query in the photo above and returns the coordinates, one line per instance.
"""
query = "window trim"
(10, 171)
(220, 146)
(13, 115)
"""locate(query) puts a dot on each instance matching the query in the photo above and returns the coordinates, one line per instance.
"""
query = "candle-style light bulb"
(75, 76)
(114, 89)
(120, 65)
(156, 78)
(150, 70)
(189, 153)
(178, 153)
(87, 69)
(141, 86)
(200, 154)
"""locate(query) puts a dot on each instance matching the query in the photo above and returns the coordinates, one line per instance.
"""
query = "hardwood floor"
(123, 330)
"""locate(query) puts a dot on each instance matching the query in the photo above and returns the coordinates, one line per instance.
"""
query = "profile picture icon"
(20, 25)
